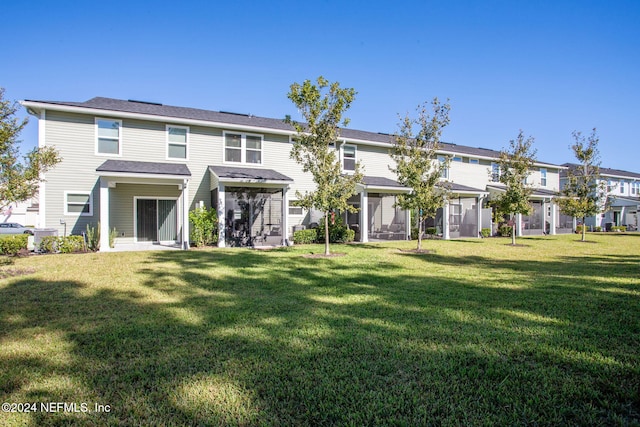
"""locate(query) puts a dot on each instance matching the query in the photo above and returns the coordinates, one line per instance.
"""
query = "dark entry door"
(147, 219)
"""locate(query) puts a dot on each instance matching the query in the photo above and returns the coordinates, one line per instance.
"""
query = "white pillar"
(185, 215)
(364, 216)
(407, 221)
(445, 221)
(104, 215)
(518, 225)
(480, 201)
(284, 227)
(553, 222)
(222, 216)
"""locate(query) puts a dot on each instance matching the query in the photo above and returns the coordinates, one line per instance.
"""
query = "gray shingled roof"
(539, 192)
(378, 181)
(128, 166)
(231, 172)
(459, 188)
(139, 107)
(603, 171)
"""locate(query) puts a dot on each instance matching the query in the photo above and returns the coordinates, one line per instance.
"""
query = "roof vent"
(235, 114)
(144, 102)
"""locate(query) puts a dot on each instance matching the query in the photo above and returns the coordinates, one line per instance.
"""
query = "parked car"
(15, 228)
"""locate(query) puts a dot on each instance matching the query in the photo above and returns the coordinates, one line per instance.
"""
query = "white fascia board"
(381, 188)
(631, 178)
(475, 193)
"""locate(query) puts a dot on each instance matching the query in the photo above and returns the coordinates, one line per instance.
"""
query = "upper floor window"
(495, 172)
(474, 161)
(177, 137)
(543, 177)
(457, 159)
(442, 160)
(635, 188)
(622, 186)
(108, 136)
(349, 157)
(610, 185)
(78, 203)
(242, 148)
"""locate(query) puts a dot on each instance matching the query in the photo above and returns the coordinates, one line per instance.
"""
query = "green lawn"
(474, 333)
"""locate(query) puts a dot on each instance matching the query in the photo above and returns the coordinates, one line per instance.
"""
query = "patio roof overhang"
(381, 184)
(538, 193)
(247, 176)
(134, 172)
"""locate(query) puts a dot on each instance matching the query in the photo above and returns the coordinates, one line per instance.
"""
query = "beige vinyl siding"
(121, 207)
(74, 137)
(375, 161)
(471, 175)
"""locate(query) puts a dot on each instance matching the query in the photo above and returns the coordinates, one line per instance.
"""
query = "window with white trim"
(495, 172)
(622, 186)
(108, 136)
(457, 159)
(177, 137)
(295, 210)
(445, 169)
(543, 177)
(474, 161)
(349, 157)
(610, 185)
(78, 203)
(242, 148)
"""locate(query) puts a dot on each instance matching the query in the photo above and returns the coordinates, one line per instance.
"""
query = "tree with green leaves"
(417, 166)
(19, 181)
(584, 193)
(515, 165)
(323, 105)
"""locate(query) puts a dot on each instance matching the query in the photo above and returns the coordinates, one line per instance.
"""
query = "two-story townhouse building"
(623, 198)
(138, 168)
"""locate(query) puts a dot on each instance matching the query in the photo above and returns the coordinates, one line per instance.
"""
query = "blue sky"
(546, 67)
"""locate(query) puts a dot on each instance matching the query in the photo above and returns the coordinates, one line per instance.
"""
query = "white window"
(445, 170)
(610, 185)
(457, 158)
(108, 136)
(543, 177)
(635, 188)
(474, 161)
(78, 203)
(242, 148)
(495, 172)
(348, 157)
(177, 137)
(295, 210)
(622, 186)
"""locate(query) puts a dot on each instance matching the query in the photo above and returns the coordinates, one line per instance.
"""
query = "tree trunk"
(419, 233)
(513, 230)
(326, 234)
(584, 229)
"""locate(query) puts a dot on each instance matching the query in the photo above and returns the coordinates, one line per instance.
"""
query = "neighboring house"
(25, 213)
(623, 198)
(140, 167)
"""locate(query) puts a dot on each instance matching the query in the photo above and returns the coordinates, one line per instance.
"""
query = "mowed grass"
(474, 333)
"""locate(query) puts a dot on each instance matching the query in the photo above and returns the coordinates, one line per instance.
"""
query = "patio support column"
(364, 215)
(185, 215)
(553, 220)
(445, 221)
(104, 215)
(222, 219)
(407, 222)
(285, 217)
(518, 225)
(480, 201)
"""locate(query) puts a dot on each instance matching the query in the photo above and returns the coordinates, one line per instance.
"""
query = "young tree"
(417, 165)
(323, 105)
(515, 166)
(584, 193)
(19, 181)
